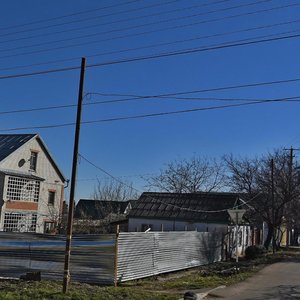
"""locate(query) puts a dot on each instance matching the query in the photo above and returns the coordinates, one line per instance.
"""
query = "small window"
(49, 227)
(33, 160)
(51, 197)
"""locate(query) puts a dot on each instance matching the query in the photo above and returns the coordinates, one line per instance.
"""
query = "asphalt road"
(276, 281)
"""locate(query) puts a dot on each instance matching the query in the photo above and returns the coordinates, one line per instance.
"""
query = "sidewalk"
(276, 281)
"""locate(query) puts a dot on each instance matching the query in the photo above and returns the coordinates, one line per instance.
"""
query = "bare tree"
(189, 176)
(253, 178)
(113, 190)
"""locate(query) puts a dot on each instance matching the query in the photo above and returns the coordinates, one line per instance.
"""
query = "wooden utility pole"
(290, 183)
(66, 279)
(273, 209)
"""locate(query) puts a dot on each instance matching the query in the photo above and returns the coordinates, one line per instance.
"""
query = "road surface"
(276, 281)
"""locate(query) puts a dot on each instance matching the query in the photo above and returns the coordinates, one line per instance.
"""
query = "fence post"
(116, 256)
(29, 248)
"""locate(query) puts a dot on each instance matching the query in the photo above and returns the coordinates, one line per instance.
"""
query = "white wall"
(46, 170)
(135, 224)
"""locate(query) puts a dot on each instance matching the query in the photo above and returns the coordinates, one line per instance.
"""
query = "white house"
(204, 212)
(31, 185)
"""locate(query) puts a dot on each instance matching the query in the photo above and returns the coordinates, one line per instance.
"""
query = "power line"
(160, 201)
(108, 174)
(157, 45)
(68, 15)
(143, 33)
(153, 56)
(173, 97)
(114, 22)
(152, 114)
(193, 50)
(134, 98)
(129, 28)
(90, 18)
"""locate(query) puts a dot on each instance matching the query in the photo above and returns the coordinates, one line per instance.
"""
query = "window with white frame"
(20, 222)
(23, 189)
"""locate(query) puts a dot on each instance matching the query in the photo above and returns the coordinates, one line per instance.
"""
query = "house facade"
(31, 185)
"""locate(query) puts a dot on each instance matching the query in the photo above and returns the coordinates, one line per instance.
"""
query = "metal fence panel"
(92, 256)
(146, 254)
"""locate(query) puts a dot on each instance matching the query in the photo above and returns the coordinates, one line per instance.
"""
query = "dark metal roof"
(11, 142)
(98, 209)
(185, 206)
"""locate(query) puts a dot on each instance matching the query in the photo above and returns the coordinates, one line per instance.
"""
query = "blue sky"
(142, 146)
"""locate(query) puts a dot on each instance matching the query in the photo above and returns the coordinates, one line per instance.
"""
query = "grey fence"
(147, 254)
(92, 258)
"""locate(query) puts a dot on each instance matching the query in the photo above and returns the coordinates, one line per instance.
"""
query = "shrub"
(253, 252)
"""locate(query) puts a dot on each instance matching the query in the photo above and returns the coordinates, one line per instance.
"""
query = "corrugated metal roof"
(11, 142)
(185, 206)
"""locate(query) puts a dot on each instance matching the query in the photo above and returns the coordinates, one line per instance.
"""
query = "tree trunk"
(269, 236)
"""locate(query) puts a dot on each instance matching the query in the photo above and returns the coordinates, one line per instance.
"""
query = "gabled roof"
(98, 209)
(11, 142)
(54, 164)
(185, 206)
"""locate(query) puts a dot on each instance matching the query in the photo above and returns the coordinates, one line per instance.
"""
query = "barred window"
(23, 189)
(20, 222)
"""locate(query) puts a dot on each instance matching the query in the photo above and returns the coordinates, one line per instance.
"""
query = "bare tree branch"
(189, 176)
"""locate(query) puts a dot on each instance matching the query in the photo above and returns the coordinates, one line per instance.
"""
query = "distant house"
(205, 212)
(96, 216)
(182, 211)
(31, 185)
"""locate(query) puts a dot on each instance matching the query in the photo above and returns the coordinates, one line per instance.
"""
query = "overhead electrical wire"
(149, 57)
(111, 22)
(177, 18)
(141, 33)
(68, 15)
(107, 173)
(151, 46)
(134, 98)
(90, 18)
(161, 201)
(147, 97)
(150, 115)
(159, 44)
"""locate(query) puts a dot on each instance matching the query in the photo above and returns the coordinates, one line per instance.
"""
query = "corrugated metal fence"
(147, 254)
(94, 257)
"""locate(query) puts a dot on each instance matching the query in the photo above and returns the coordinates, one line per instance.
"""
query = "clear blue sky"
(142, 146)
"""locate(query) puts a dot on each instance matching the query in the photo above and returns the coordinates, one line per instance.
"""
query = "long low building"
(182, 211)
